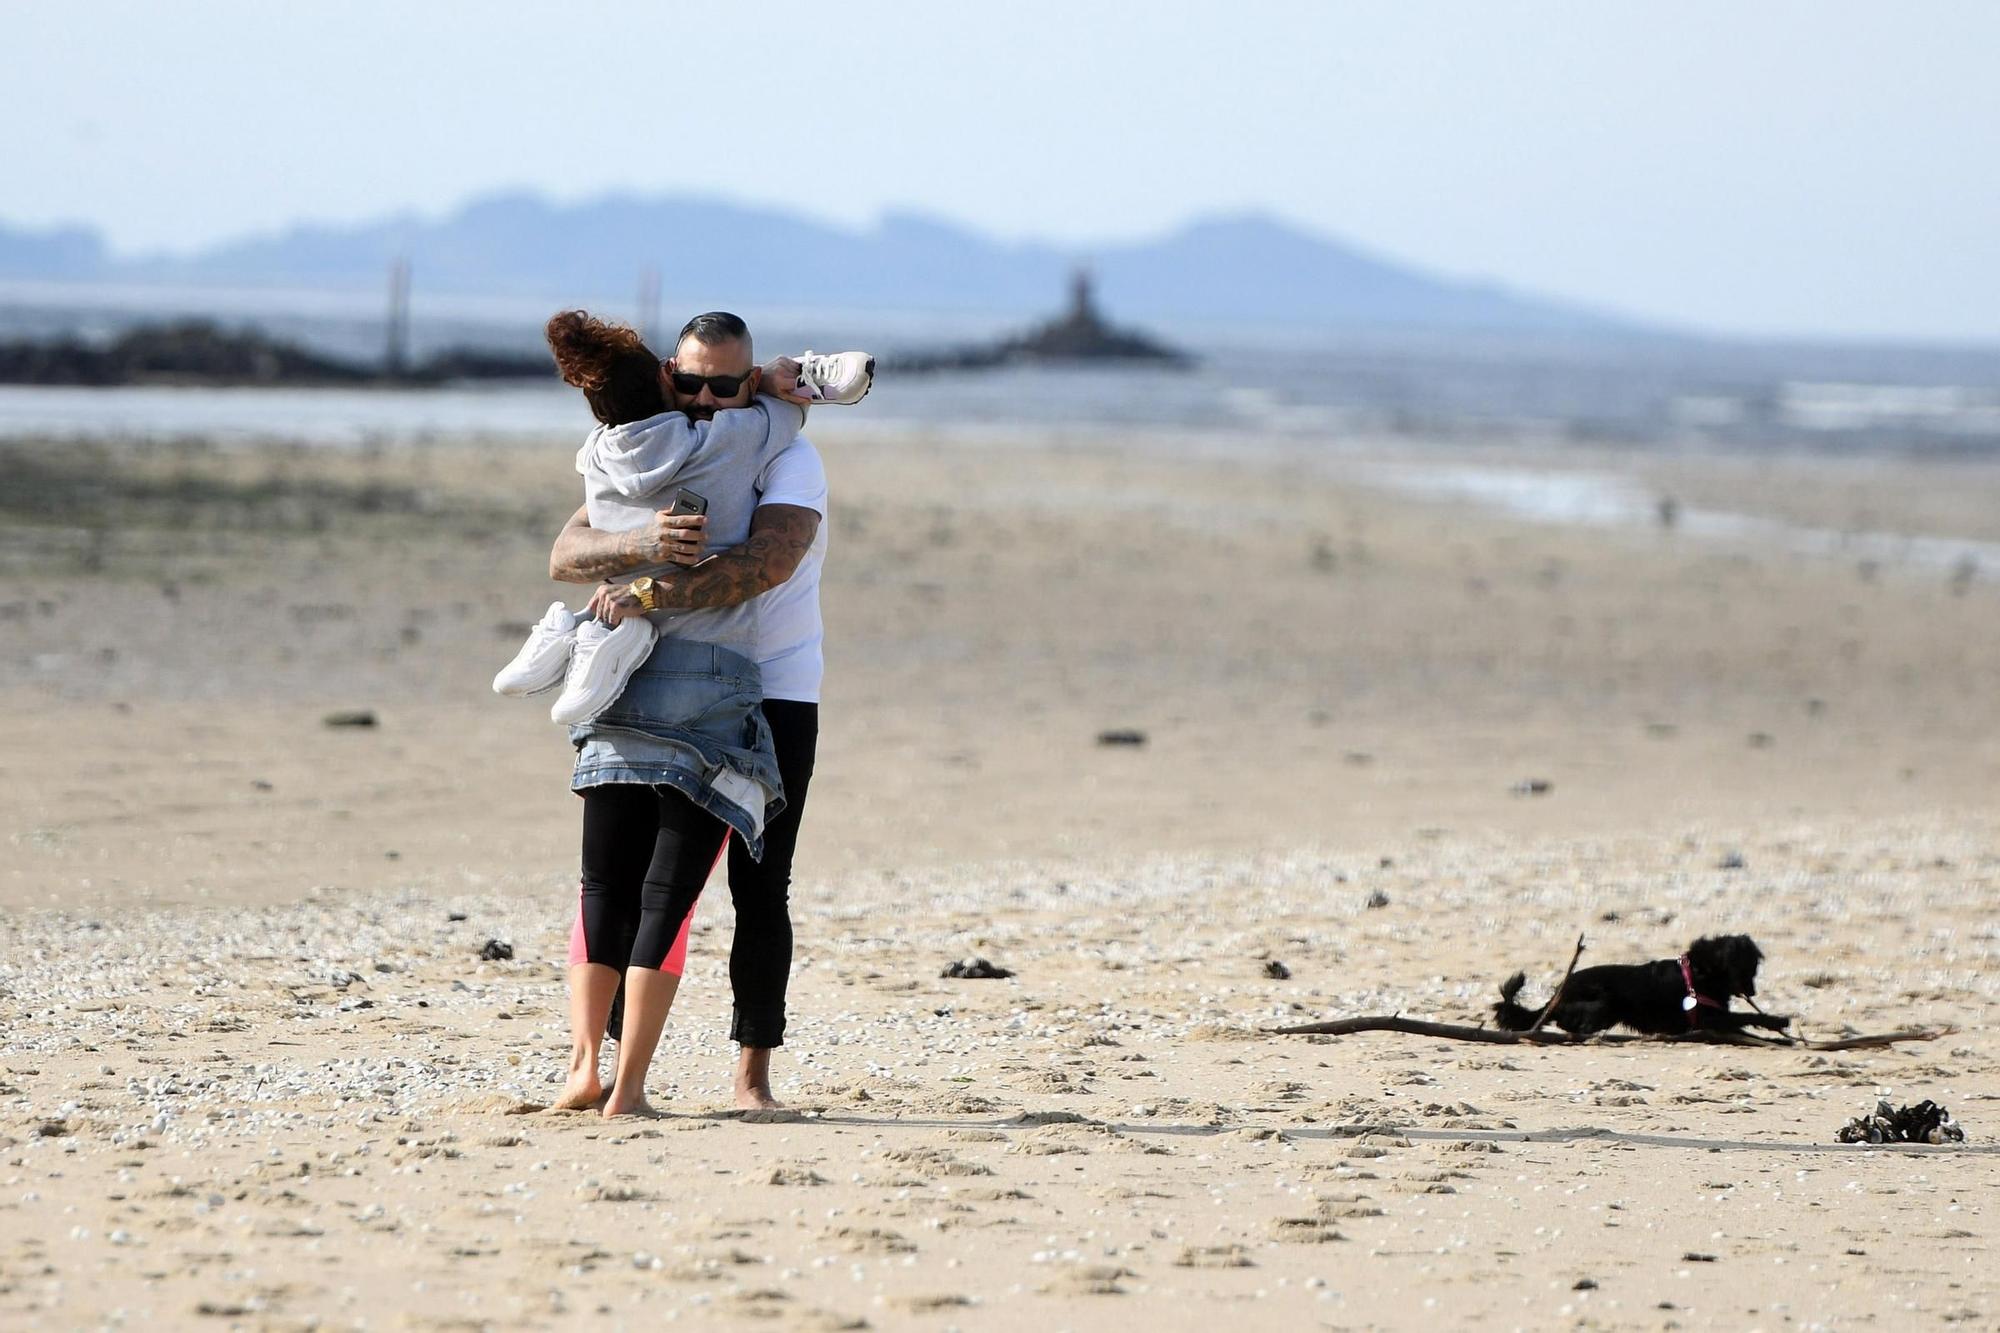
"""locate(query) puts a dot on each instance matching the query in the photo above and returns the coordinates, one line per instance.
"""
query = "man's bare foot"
(634, 1104)
(753, 1080)
(581, 1092)
(757, 1098)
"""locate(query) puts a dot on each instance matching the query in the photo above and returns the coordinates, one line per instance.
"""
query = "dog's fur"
(1648, 996)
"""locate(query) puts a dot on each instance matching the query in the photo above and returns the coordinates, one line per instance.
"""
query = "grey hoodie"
(632, 471)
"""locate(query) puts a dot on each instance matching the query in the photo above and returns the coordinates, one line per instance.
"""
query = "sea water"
(1252, 393)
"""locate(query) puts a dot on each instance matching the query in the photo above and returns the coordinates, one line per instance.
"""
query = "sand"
(253, 1072)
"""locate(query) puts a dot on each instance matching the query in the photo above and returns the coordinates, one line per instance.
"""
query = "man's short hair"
(714, 329)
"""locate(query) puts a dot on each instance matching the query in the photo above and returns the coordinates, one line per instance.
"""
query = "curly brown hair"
(618, 373)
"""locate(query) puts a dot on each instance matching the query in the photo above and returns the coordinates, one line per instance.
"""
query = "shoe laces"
(813, 368)
(579, 657)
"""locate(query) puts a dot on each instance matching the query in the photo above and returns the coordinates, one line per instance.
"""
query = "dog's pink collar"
(1695, 999)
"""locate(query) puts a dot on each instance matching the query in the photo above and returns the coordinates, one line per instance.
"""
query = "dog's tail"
(1507, 1013)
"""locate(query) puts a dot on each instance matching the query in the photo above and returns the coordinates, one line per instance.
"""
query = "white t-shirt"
(790, 637)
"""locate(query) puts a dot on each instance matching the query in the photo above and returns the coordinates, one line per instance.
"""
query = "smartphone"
(687, 502)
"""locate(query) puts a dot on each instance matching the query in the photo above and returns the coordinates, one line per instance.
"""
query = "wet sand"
(254, 1073)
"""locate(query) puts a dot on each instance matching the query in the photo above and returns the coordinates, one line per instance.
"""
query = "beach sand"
(254, 1073)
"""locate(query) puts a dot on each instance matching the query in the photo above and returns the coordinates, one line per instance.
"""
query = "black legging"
(665, 845)
(645, 849)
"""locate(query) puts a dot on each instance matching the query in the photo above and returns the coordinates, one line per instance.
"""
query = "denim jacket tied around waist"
(690, 718)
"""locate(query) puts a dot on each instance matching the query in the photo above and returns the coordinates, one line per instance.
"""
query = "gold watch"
(647, 592)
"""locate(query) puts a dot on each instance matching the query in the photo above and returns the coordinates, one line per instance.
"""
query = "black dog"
(1666, 998)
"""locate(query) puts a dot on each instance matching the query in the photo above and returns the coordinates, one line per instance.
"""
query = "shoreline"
(1520, 475)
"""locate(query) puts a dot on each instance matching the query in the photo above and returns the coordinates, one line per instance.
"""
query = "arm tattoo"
(606, 555)
(780, 535)
(584, 554)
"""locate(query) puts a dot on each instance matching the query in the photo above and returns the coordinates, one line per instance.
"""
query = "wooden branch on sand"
(1871, 1041)
(1561, 986)
(1340, 1027)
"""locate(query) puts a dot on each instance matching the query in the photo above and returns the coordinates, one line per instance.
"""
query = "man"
(780, 562)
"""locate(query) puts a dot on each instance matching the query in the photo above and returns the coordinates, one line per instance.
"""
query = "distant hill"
(1251, 267)
(57, 255)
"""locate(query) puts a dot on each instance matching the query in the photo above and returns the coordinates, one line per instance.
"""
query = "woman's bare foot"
(591, 987)
(583, 1089)
(649, 993)
(581, 1092)
(634, 1104)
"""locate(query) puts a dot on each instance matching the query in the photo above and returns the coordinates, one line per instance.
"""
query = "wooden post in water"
(396, 358)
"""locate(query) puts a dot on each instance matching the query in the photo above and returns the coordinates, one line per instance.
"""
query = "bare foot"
(753, 1080)
(618, 1104)
(581, 1092)
(757, 1097)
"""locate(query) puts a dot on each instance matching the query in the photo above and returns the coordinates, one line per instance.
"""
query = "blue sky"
(1803, 167)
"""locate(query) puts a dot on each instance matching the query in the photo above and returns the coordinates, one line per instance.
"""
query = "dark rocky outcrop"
(202, 352)
(1080, 334)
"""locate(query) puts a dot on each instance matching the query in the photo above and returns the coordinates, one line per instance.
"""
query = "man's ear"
(756, 380)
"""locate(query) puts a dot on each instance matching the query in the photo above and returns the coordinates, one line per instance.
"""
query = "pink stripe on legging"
(675, 963)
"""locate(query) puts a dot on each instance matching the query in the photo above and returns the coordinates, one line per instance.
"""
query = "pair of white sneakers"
(588, 658)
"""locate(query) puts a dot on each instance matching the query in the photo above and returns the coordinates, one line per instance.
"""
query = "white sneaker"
(837, 377)
(540, 663)
(598, 668)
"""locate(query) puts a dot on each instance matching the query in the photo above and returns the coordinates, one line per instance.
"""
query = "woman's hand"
(614, 602)
(781, 380)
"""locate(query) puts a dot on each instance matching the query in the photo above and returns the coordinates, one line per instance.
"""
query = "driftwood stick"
(1561, 986)
(1340, 1027)
(1877, 1039)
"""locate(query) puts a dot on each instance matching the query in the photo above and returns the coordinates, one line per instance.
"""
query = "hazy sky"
(1814, 167)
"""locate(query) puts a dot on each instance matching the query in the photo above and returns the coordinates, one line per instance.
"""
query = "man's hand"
(781, 380)
(613, 602)
(676, 539)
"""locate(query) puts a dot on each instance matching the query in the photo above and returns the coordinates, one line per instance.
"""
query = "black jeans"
(648, 851)
(760, 957)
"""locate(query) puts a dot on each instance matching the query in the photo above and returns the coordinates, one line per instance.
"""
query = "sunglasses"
(722, 386)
